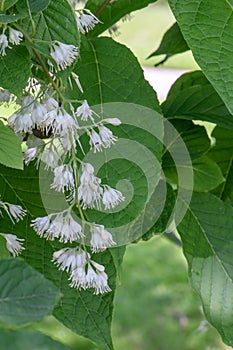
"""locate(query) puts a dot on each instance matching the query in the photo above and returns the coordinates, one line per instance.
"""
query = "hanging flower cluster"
(14, 37)
(15, 213)
(51, 127)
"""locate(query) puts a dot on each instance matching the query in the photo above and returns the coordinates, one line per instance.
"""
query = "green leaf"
(194, 136)
(206, 233)
(81, 311)
(4, 19)
(6, 4)
(211, 48)
(165, 217)
(207, 174)
(222, 154)
(28, 340)
(172, 43)
(25, 295)
(112, 12)
(10, 148)
(193, 97)
(56, 22)
(109, 72)
(32, 6)
(15, 70)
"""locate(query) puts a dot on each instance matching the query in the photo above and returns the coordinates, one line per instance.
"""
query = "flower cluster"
(45, 113)
(15, 213)
(14, 37)
(91, 193)
(86, 21)
(84, 272)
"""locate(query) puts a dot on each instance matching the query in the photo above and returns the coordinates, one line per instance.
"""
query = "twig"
(100, 9)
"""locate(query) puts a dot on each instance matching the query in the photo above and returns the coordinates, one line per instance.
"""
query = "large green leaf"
(109, 72)
(81, 311)
(28, 340)
(193, 97)
(113, 12)
(10, 148)
(194, 136)
(207, 174)
(207, 237)
(56, 22)
(31, 6)
(15, 69)
(222, 154)
(25, 295)
(172, 43)
(207, 27)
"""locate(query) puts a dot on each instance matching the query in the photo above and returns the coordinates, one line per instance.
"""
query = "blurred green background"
(155, 308)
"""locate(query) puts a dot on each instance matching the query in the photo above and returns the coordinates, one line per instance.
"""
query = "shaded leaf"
(172, 43)
(206, 233)
(194, 136)
(25, 295)
(10, 148)
(15, 69)
(29, 340)
(222, 154)
(193, 97)
(207, 174)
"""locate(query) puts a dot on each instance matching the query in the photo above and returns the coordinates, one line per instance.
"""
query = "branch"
(102, 6)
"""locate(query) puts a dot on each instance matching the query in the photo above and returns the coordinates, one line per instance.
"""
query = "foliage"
(74, 208)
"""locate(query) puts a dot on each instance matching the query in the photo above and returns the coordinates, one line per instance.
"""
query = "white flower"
(22, 122)
(63, 178)
(106, 136)
(50, 104)
(3, 44)
(63, 54)
(89, 191)
(113, 121)
(84, 111)
(60, 122)
(50, 159)
(13, 243)
(30, 155)
(5, 96)
(38, 113)
(68, 141)
(27, 103)
(95, 142)
(16, 212)
(86, 22)
(101, 284)
(15, 36)
(101, 239)
(41, 225)
(77, 81)
(63, 226)
(78, 278)
(69, 259)
(111, 197)
(66, 228)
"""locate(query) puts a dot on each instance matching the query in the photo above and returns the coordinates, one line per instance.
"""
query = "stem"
(43, 65)
(102, 6)
(2, 6)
